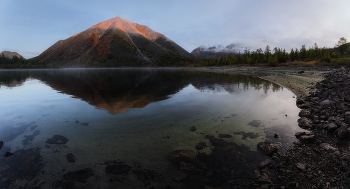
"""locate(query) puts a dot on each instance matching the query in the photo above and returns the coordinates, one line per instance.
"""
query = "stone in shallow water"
(70, 158)
(193, 128)
(79, 175)
(1, 144)
(117, 169)
(8, 154)
(255, 123)
(57, 139)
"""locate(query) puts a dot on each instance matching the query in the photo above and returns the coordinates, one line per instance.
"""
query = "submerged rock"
(193, 128)
(70, 158)
(117, 169)
(1, 144)
(57, 139)
(79, 175)
(8, 154)
(225, 136)
(255, 123)
(184, 155)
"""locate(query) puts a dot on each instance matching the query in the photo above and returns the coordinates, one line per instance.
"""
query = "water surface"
(136, 117)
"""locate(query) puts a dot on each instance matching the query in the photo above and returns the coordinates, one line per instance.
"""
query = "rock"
(218, 142)
(201, 145)
(340, 106)
(266, 163)
(337, 153)
(267, 148)
(57, 139)
(255, 123)
(275, 135)
(331, 127)
(300, 166)
(184, 155)
(8, 154)
(305, 113)
(225, 136)
(299, 134)
(1, 144)
(348, 132)
(79, 175)
(70, 158)
(85, 124)
(341, 132)
(328, 147)
(305, 122)
(117, 169)
(307, 138)
(347, 117)
(327, 103)
(300, 101)
(193, 128)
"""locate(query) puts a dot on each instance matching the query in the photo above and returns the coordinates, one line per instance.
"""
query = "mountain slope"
(9, 54)
(116, 42)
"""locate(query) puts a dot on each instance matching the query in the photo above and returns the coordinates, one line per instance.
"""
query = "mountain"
(116, 42)
(216, 51)
(9, 54)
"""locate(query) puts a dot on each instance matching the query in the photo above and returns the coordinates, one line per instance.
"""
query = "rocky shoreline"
(321, 158)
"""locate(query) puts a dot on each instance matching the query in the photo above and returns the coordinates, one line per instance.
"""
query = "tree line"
(16, 62)
(278, 55)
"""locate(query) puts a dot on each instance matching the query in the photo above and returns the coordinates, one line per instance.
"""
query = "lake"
(108, 128)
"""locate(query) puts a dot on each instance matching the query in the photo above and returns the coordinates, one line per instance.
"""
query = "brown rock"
(267, 148)
(307, 137)
(305, 122)
(327, 103)
(186, 166)
(305, 113)
(347, 117)
(265, 163)
(70, 158)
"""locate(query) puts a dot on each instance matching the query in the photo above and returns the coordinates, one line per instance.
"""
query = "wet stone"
(327, 103)
(305, 113)
(307, 138)
(117, 169)
(79, 175)
(328, 147)
(255, 123)
(341, 132)
(57, 139)
(331, 127)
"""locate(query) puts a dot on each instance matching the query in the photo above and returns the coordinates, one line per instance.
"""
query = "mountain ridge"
(10, 54)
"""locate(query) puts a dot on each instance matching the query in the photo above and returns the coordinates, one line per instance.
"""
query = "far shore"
(298, 79)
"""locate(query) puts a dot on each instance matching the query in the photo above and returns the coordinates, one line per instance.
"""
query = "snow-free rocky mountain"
(116, 42)
(216, 51)
(9, 54)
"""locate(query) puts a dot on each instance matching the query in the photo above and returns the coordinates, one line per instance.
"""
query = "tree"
(341, 46)
(267, 51)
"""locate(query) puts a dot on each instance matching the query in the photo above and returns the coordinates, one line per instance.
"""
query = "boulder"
(305, 122)
(267, 148)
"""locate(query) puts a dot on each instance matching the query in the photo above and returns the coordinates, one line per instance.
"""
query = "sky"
(30, 27)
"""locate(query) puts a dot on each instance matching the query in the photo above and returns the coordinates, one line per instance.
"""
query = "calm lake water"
(134, 118)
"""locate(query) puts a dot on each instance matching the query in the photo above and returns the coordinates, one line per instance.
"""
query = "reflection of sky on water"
(131, 111)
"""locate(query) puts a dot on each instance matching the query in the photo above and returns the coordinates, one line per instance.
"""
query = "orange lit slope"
(116, 42)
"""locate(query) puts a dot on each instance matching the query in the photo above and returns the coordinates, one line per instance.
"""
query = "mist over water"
(135, 116)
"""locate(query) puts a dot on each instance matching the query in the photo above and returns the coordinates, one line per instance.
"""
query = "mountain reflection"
(118, 90)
